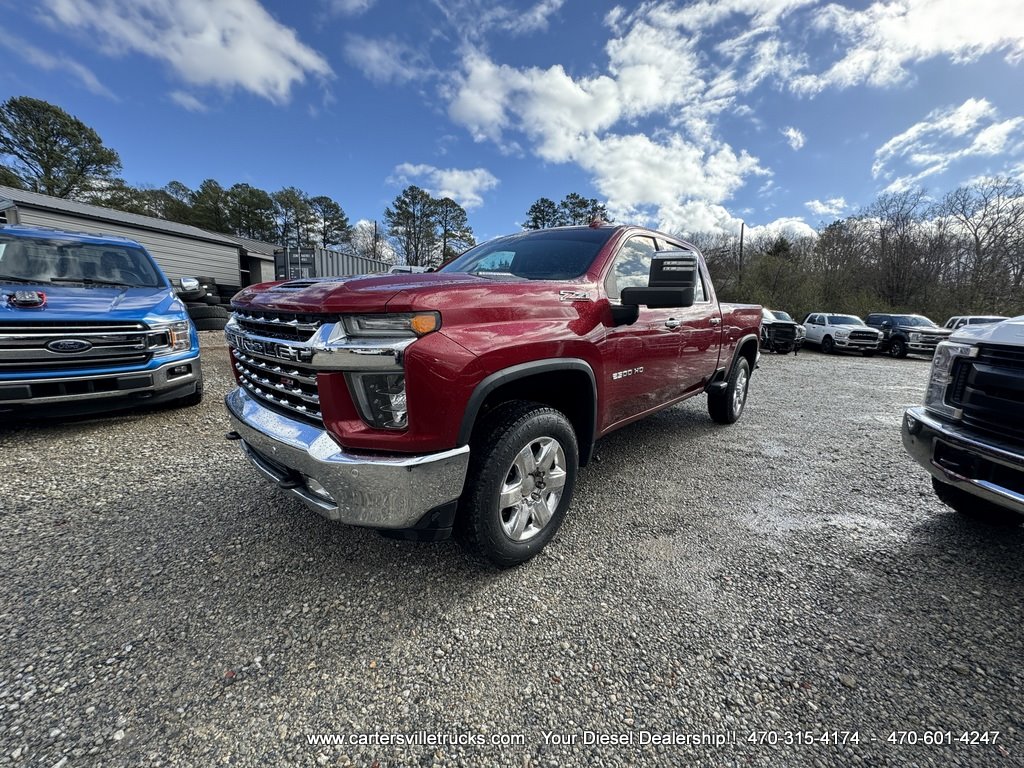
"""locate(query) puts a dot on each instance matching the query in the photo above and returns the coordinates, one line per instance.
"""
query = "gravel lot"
(791, 576)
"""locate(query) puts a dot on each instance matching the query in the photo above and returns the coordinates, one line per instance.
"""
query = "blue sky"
(689, 116)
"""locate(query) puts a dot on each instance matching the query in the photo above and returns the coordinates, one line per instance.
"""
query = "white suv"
(834, 332)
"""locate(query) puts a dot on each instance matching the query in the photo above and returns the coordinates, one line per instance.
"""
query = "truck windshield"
(45, 260)
(844, 320)
(545, 254)
(915, 320)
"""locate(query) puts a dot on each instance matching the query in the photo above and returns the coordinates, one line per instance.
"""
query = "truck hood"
(922, 329)
(1007, 332)
(363, 293)
(67, 301)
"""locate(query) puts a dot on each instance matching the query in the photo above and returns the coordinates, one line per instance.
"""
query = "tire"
(212, 299)
(828, 346)
(898, 348)
(975, 508)
(505, 517)
(190, 305)
(205, 312)
(211, 324)
(195, 295)
(726, 406)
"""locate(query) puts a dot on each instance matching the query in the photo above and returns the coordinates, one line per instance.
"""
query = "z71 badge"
(574, 296)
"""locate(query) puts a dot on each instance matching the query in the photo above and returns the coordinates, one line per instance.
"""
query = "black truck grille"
(42, 346)
(782, 333)
(291, 326)
(285, 387)
(863, 336)
(989, 389)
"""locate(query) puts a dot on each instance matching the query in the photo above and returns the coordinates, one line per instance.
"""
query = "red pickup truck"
(466, 399)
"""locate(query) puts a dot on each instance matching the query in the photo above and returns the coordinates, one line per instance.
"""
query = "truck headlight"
(841, 334)
(394, 325)
(381, 399)
(939, 377)
(170, 338)
(915, 337)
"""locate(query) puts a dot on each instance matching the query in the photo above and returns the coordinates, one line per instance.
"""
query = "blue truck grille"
(52, 346)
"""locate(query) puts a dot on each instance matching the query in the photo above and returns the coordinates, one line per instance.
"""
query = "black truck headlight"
(381, 399)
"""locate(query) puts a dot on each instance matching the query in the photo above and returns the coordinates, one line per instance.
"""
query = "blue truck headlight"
(166, 339)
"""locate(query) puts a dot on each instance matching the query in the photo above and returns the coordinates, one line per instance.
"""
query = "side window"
(632, 266)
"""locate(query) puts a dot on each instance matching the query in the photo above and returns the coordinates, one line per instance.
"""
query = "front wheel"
(828, 346)
(725, 406)
(898, 348)
(522, 472)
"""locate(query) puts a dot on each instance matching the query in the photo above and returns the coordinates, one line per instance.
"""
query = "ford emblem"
(69, 346)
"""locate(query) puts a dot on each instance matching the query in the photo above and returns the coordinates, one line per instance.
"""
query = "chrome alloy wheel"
(532, 489)
(739, 393)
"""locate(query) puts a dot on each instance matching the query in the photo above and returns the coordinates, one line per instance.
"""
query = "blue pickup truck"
(90, 323)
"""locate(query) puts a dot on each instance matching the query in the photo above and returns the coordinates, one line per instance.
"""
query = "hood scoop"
(297, 285)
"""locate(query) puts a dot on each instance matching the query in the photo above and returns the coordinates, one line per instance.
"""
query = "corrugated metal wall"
(177, 256)
(321, 262)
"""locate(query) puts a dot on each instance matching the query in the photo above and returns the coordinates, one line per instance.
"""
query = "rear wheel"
(828, 346)
(973, 507)
(725, 406)
(521, 477)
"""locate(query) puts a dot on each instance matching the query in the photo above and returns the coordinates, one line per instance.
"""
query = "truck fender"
(586, 429)
(721, 378)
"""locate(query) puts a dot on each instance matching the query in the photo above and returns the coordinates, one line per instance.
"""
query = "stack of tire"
(209, 306)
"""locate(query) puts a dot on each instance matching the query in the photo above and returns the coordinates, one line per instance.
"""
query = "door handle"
(673, 323)
(715, 321)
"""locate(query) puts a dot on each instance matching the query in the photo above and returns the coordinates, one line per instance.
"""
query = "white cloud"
(883, 39)
(466, 187)
(386, 61)
(473, 19)
(47, 61)
(944, 137)
(795, 137)
(187, 101)
(225, 44)
(351, 7)
(831, 207)
(792, 227)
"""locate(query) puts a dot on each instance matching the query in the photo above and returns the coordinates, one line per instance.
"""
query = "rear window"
(548, 254)
(55, 260)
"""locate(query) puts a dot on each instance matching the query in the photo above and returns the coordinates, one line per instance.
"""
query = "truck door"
(643, 360)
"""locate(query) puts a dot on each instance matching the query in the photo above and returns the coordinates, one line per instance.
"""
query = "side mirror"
(189, 284)
(671, 284)
(887, 323)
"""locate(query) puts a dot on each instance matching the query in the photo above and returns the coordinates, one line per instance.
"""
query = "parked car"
(959, 321)
(969, 432)
(89, 323)
(467, 398)
(903, 334)
(780, 333)
(832, 332)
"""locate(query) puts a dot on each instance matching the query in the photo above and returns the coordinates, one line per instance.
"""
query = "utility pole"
(742, 227)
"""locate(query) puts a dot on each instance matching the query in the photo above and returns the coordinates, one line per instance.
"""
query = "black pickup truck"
(906, 334)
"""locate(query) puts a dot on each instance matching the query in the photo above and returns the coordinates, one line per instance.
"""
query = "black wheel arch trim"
(526, 370)
(721, 377)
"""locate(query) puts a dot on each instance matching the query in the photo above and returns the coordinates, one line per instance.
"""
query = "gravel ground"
(785, 579)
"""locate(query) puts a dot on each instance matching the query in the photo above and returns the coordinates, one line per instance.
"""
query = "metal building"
(180, 250)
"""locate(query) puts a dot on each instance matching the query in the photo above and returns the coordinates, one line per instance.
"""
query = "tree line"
(961, 254)
(44, 149)
(906, 252)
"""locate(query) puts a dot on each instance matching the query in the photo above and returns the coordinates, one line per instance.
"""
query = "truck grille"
(37, 346)
(292, 326)
(863, 336)
(782, 332)
(283, 386)
(990, 390)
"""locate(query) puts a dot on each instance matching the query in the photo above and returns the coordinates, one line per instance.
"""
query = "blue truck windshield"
(43, 260)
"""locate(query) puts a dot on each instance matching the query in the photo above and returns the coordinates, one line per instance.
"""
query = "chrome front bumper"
(982, 467)
(375, 491)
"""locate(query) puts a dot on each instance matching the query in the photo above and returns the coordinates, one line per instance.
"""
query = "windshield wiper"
(15, 279)
(91, 281)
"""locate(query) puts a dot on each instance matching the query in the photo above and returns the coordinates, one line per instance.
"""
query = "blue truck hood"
(77, 302)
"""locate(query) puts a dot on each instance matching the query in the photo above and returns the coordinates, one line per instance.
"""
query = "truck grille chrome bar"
(57, 346)
(283, 325)
(290, 388)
